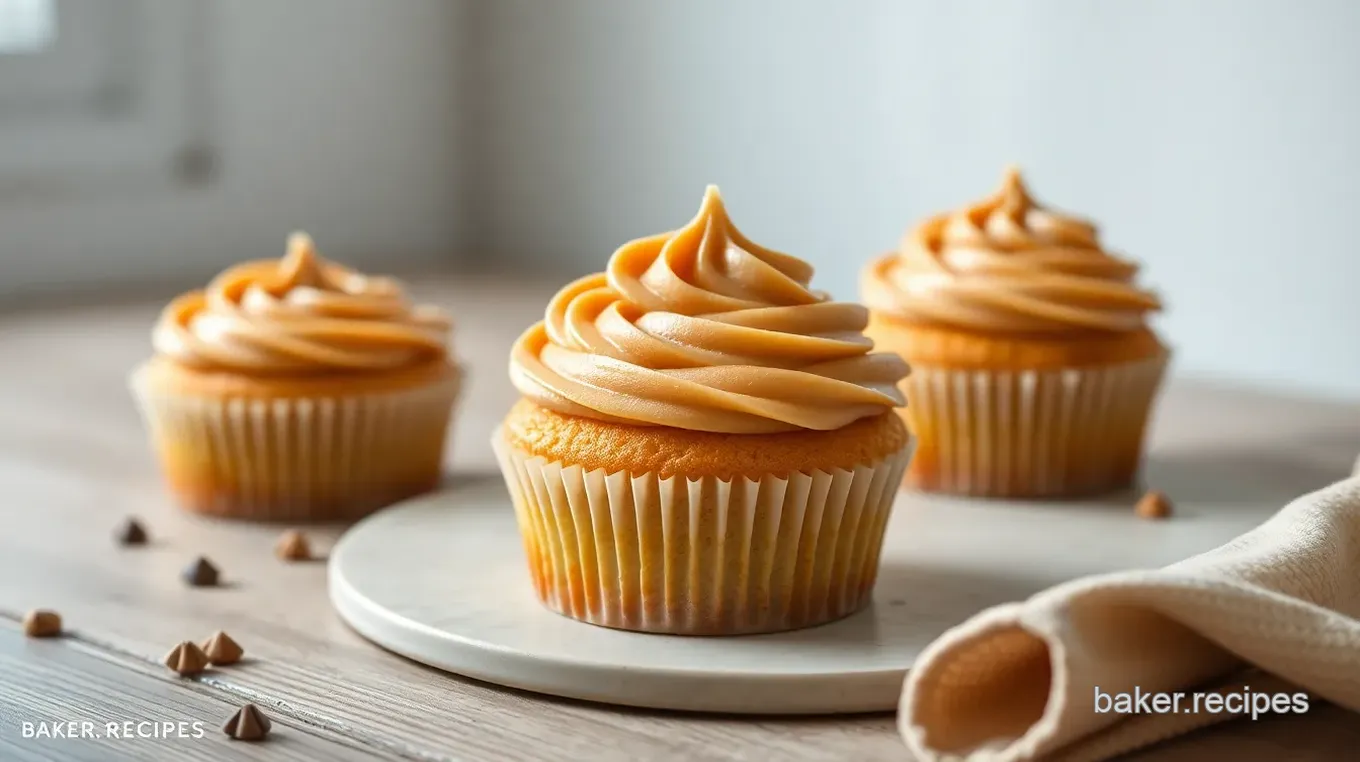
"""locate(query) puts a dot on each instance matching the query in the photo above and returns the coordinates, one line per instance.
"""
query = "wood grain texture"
(73, 462)
(1326, 732)
(56, 680)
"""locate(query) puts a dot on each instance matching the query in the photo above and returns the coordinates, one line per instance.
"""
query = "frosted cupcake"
(298, 389)
(1034, 370)
(705, 445)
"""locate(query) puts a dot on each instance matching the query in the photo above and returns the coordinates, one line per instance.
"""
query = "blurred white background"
(161, 140)
(1217, 141)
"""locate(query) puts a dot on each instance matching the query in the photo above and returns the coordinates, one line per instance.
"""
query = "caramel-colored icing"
(1008, 265)
(702, 329)
(300, 315)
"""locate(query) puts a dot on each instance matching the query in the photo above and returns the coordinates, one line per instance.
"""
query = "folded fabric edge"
(945, 712)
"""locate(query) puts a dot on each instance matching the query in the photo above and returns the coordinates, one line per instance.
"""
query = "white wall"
(342, 117)
(1216, 140)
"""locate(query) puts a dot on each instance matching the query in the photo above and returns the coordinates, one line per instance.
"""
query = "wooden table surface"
(74, 462)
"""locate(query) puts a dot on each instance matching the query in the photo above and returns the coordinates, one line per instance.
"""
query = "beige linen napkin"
(1018, 682)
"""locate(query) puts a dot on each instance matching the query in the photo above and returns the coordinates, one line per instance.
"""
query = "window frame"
(118, 102)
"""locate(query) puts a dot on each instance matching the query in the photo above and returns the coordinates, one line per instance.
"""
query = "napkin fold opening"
(986, 690)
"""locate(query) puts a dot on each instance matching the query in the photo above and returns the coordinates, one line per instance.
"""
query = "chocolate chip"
(40, 623)
(130, 532)
(248, 724)
(200, 573)
(187, 659)
(222, 650)
(293, 546)
(1154, 505)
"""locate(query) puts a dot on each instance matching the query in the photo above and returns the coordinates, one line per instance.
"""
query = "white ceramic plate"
(442, 580)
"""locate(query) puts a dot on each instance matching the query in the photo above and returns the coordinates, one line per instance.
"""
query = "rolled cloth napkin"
(1275, 612)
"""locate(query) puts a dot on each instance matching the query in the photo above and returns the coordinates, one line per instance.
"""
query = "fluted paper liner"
(1056, 433)
(298, 459)
(701, 556)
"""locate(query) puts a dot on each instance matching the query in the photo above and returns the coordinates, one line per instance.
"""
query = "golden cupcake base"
(702, 554)
(331, 455)
(1030, 434)
(1024, 417)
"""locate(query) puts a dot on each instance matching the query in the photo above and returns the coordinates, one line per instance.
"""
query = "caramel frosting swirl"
(300, 315)
(702, 329)
(1008, 264)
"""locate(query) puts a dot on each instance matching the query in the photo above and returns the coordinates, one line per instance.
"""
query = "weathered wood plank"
(58, 681)
(1326, 732)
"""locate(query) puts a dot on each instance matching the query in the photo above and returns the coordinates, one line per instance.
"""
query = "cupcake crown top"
(300, 314)
(703, 329)
(1009, 264)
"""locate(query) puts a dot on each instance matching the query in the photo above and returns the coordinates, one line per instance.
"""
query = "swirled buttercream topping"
(300, 314)
(702, 329)
(1009, 264)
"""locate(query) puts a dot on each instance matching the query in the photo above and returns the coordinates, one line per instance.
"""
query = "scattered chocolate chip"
(1154, 505)
(248, 724)
(40, 623)
(222, 650)
(130, 532)
(187, 659)
(200, 573)
(293, 546)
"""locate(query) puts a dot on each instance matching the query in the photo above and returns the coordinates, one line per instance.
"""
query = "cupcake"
(1034, 369)
(298, 390)
(704, 444)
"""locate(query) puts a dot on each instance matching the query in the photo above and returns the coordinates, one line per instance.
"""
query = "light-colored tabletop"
(73, 463)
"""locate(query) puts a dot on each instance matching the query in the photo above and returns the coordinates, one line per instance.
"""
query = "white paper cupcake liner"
(298, 459)
(1053, 433)
(701, 556)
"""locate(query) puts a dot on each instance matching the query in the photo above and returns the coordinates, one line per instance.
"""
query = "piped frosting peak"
(701, 328)
(1009, 264)
(300, 315)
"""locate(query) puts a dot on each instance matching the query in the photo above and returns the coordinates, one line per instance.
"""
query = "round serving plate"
(442, 580)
